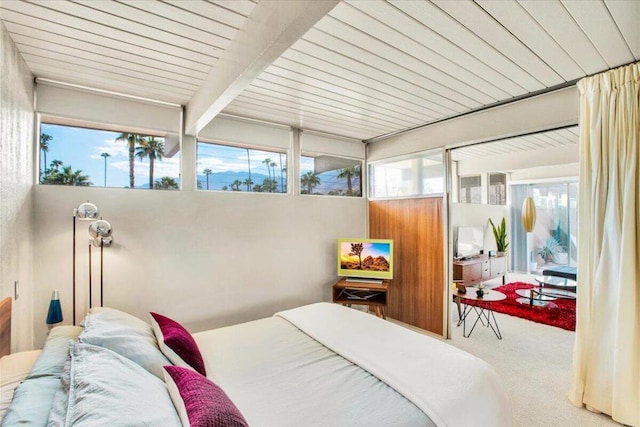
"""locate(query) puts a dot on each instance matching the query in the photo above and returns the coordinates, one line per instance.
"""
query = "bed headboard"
(5, 326)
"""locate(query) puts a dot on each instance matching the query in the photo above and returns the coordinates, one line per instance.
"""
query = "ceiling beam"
(272, 28)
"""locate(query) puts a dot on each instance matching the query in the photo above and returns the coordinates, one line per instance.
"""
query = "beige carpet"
(535, 362)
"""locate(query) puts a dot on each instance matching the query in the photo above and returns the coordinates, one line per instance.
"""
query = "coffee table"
(481, 306)
(557, 282)
(550, 288)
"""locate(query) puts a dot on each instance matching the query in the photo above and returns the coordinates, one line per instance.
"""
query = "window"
(497, 189)
(330, 176)
(554, 240)
(469, 191)
(230, 168)
(410, 176)
(92, 157)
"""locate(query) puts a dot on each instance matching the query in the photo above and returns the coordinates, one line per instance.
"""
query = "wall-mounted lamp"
(86, 212)
(100, 232)
(528, 214)
(55, 310)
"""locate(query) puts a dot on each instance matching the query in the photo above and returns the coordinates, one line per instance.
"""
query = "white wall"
(477, 215)
(16, 180)
(204, 258)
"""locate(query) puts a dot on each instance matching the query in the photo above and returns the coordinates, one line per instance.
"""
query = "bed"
(316, 365)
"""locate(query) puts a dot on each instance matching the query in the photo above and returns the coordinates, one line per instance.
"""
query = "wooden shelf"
(356, 293)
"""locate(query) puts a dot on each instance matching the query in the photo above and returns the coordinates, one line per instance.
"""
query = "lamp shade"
(87, 210)
(55, 310)
(528, 214)
(102, 241)
(100, 228)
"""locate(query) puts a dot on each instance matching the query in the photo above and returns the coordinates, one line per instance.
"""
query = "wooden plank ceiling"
(366, 69)
(537, 141)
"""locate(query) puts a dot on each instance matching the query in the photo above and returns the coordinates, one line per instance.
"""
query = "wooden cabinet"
(479, 269)
(372, 294)
(498, 267)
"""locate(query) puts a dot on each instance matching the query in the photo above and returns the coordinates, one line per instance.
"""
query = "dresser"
(479, 269)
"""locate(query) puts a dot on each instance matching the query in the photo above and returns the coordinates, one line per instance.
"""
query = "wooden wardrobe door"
(416, 293)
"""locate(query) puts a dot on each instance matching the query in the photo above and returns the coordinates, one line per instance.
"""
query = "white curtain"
(606, 362)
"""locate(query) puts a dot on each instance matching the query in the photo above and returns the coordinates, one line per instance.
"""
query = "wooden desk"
(358, 293)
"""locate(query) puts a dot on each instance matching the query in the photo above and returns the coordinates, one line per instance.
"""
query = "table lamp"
(54, 315)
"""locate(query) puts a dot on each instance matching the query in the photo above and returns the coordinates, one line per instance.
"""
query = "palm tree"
(349, 173)
(310, 180)
(269, 185)
(55, 164)
(66, 176)
(207, 172)
(105, 155)
(282, 169)
(235, 185)
(153, 149)
(249, 166)
(267, 162)
(248, 183)
(132, 140)
(166, 183)
(273, 166)
(44, 146)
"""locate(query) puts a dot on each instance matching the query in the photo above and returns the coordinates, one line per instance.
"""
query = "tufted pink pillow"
(199, 402)
(176, 343)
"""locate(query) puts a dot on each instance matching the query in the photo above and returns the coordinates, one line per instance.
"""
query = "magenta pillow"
(199, 402)
(176, 343)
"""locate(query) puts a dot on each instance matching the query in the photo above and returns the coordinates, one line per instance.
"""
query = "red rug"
(562, 314)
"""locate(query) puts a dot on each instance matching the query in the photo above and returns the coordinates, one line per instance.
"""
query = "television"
(470, 241)
(365, 260)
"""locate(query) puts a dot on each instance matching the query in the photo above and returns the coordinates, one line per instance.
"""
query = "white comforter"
(278, 376)
(451, 386)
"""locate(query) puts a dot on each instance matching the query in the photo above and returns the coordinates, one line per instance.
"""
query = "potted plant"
(481, 290)
(549, 250)
(500, 234)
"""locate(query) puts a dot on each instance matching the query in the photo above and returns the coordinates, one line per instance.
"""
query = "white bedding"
(13, 370)
(451, 386)
(279, 374)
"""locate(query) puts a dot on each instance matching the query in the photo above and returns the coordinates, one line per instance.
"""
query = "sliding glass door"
(553, 240)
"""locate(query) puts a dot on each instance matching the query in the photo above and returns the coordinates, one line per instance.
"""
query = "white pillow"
(104, 388)
(126, 335)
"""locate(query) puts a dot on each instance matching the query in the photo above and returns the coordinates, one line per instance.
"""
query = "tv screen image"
(365, 258)
(470, 241)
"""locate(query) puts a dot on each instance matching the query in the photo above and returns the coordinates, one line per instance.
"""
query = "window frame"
(460, 188)
(244, 146)
(504, 175)
(412, 156)
(55, 120)
(314, 154)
